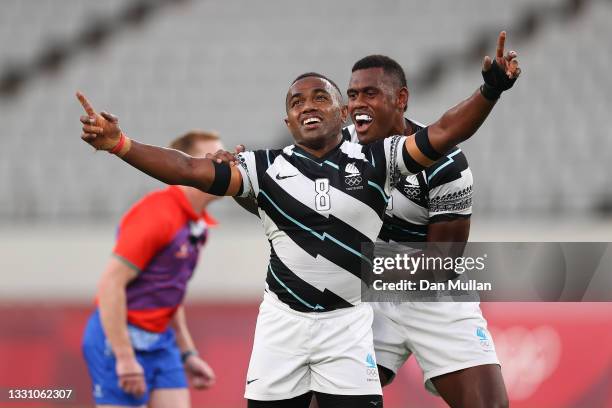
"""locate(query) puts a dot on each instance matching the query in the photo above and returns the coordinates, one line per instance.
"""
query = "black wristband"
(495, 82)
(222, 179)
(186, 354)
(489, 92)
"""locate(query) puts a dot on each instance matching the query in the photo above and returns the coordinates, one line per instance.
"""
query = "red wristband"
(119, 145)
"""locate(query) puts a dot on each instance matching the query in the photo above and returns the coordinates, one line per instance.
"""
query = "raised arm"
(461, 121)
(101, 130)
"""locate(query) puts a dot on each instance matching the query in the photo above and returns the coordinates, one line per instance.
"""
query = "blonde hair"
(186, 142)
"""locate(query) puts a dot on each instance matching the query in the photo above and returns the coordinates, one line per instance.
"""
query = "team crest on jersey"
(183, 252)
(352, 178)
(412, 188)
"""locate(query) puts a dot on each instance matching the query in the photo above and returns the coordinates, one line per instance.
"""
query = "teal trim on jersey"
(302, 301)
(313, 232)
(126, 263)
(334, 165)
(450, 160)
(382, 192)
(307, 158)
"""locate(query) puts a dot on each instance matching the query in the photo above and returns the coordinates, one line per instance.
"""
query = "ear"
(344, 113)
(286, 121)
(402, 98)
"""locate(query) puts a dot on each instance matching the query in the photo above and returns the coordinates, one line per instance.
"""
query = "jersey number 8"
(322, 201)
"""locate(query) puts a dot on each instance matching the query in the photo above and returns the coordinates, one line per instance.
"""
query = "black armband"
(222, 179)
(422, 141)
(412, 165)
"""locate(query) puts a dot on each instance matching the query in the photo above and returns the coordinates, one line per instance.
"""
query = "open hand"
(223, 156)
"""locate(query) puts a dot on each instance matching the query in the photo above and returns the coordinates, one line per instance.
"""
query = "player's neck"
(198, 200)
(401, 127)
(328, 146)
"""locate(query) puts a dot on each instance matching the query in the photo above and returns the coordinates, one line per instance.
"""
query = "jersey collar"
(321, 159)
(185, 205)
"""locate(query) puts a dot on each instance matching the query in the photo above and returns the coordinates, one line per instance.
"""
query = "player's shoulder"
(261, 158)
(416, 126)
(155, 206)
(451, 167)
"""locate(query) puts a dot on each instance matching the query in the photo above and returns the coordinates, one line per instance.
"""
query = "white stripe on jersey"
(398, 153)
(361, 217)
(250, 182)
(353, 151)
(407, 210)
(318, 272)
(353, 132)
(454, 197)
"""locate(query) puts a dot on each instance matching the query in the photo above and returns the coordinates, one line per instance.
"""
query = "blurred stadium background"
(167, 66)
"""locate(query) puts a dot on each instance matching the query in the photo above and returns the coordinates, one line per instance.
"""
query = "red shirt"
(160, 237)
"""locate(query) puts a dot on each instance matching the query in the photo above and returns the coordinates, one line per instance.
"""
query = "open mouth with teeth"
(311, 122)
(362, 122)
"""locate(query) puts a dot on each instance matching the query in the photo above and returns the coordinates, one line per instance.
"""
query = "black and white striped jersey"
(440, 192)
(317, 212)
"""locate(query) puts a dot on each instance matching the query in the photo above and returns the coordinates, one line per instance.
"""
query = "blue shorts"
(156, 352)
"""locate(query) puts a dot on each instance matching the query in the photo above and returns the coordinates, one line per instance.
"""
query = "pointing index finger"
(86, 105)
(501, 41)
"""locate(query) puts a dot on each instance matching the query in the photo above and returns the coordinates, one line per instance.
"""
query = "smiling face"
(315, 113)
(376, 103)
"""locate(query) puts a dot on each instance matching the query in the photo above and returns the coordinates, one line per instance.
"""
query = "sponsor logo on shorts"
(371, 370)
(485, 341)
(370, 363)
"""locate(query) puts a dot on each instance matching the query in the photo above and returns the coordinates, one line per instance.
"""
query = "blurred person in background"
(136, 344)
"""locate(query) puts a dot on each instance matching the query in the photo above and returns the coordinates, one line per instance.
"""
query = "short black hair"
(317, 75)
(389, 66)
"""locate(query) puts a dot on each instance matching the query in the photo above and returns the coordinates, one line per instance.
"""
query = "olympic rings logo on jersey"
(353, 175)
(353, 180)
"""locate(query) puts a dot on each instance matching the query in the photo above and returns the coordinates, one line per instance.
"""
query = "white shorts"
(444, 337)
(295, 352)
